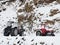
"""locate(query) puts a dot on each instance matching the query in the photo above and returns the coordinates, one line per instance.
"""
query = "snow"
(29, 40)
(11, 11)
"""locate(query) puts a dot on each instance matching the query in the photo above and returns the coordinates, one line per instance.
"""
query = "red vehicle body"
(44, 32)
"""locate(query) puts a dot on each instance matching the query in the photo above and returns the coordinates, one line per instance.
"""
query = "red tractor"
(44, 32)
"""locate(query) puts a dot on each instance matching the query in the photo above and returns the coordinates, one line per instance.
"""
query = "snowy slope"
(10, 14)
(42, 14)
(29, 40)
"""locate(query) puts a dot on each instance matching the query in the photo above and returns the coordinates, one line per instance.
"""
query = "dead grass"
(49, 1)
(36, 2)
(57, 20)
(58, 1)
(30, 18)
(28, 7)
(53, 12)
(50, 22)
(42, 1)
(12, 0)
(20, 18)
(21, 10)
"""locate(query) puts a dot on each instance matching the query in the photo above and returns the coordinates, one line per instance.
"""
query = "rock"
(0, 10)
(14, 44)
(23, 39)
(18, 42)
(16, 37)
(42, 43)
(4, 9)
(32, 40)
(36, 44)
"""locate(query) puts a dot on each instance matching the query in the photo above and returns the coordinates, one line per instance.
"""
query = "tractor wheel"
(38, 33)
(14, 32)
(52, 35)
(6, 32)
(21, 33)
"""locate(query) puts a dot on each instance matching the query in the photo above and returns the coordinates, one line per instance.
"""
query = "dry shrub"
(26, 18)
(41, 14)
(22, 0)
(50, 22)
(49, 1)
(57, 20)
(20, 10)
(53, 12)
(58, 1)
(28, 7)
(30, 18)
(12, 0)
(38, 2)
(20, 18)
(42, 1)
(35, 18)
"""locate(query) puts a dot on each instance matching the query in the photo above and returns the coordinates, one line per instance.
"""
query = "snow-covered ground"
(28, 40)
(10, 14)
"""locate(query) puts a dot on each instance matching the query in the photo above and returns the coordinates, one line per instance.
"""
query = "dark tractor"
(13, 31)
(10, 31)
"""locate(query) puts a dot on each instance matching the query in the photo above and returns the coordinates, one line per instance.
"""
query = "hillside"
(31, 14)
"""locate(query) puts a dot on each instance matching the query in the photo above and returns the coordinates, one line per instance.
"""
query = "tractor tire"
(38, 33)
(6, 32)
(14, 32)
(21, 34)
(52, 35)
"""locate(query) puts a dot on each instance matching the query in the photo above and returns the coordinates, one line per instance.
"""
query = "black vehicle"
(13, 31)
